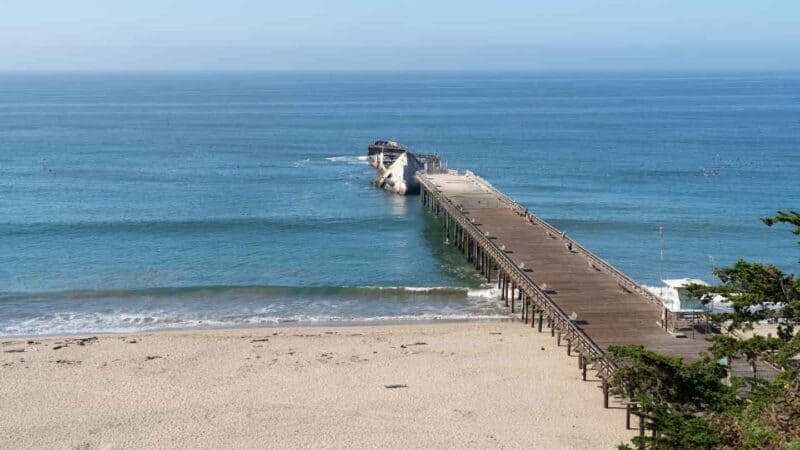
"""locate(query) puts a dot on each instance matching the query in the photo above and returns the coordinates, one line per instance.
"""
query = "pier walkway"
(549, 277)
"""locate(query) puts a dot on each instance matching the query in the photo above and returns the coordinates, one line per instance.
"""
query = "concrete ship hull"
(399, 177)
(397, 167)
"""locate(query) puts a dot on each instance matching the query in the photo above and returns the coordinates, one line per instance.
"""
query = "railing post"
(627, 416)
(524, 309)
(474, 246)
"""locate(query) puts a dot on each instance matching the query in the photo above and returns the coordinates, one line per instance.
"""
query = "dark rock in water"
(395, 386)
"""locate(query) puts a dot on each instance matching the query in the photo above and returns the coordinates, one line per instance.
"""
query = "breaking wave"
(82, 323)
(128, 310)
(260, 291)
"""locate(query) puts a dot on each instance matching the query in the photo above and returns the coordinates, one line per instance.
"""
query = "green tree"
(690, 405)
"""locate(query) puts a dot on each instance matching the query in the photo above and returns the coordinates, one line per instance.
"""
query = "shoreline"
(474, 384)
(365, 322)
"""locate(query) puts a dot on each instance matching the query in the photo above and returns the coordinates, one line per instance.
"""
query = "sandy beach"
(473, 384)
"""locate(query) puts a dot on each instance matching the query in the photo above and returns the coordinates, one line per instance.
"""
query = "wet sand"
(473, 384)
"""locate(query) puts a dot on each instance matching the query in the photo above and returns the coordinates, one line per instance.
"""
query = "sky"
(399, 35)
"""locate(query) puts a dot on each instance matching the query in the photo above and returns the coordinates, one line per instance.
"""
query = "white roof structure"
(683, 282)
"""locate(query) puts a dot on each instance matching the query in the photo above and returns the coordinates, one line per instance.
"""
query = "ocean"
(133, 201)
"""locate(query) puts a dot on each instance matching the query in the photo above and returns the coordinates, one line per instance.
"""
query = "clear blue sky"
(400, 34)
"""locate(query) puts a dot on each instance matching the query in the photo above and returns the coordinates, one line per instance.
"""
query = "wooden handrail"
(603, 264)
(505, 262)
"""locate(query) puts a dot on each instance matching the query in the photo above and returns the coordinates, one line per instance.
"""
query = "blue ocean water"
(151, 200)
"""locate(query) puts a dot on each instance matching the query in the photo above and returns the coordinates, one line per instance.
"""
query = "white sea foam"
(387, 304)
(68, 324)
(489, 292)
(418, 288)
(348, 159)
(301, 162)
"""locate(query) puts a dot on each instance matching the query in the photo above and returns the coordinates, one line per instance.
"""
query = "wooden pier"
(550, 279)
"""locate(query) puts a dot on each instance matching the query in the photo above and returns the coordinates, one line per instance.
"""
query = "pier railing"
(597, 263)
(584, 344)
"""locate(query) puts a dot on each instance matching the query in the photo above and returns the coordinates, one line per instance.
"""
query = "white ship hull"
(399, 177)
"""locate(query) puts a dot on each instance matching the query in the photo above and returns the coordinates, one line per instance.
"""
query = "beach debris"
(395, 386)
(16, 350)
(88, 340)
(132, 341)
(260, 340)
(150, 358)
(80, 341)
(420, 343)
(495, 332)
(464, 412)
(33, 342)
(403, 346)
(542, 348)
(67, 362)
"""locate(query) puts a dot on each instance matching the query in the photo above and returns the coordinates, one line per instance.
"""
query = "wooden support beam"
(505, 289)
(525, 310)
(641, 425)
(627, 416)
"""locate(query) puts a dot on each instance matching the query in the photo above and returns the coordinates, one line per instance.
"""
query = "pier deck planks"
(607, 313)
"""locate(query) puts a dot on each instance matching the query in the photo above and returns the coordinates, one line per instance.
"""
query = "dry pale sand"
(478, 385)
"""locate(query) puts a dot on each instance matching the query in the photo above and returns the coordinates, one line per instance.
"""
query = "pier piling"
(592, 308)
